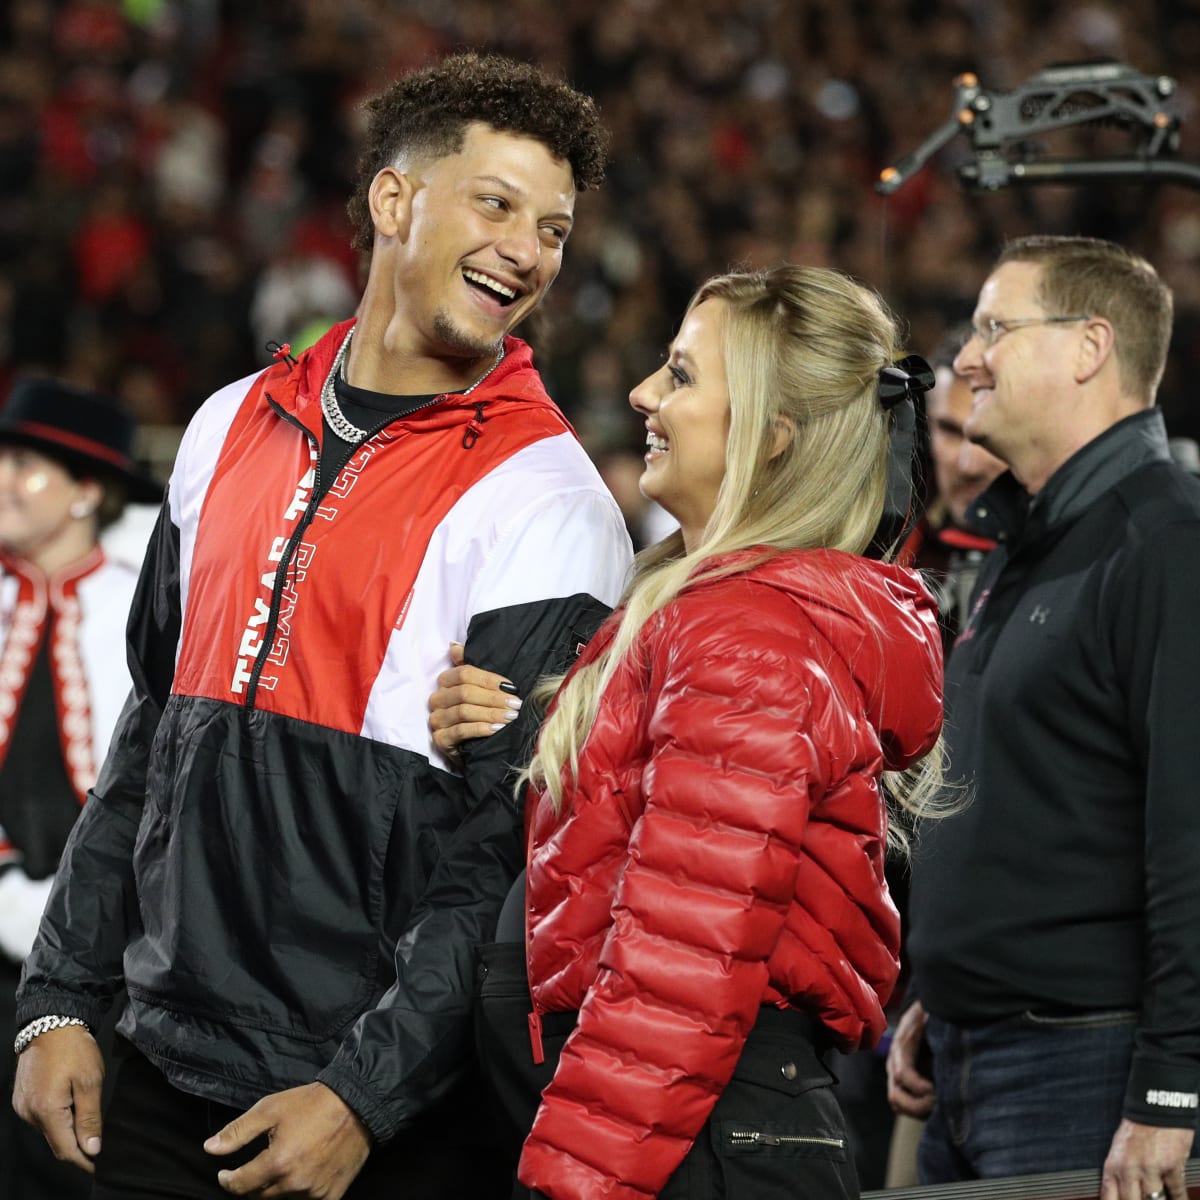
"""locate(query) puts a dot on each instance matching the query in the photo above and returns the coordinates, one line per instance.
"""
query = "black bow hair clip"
(906, 379)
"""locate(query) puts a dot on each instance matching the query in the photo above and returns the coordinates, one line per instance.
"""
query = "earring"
(80, 509)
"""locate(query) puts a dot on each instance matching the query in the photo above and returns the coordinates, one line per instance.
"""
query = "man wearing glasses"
(1055, 935)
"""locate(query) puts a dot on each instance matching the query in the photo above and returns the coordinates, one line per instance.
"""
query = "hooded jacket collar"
(882, 622)
(296, 387)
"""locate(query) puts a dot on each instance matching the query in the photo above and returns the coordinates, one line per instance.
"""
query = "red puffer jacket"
(722, 849)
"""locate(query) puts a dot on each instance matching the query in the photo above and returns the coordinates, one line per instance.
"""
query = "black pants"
(776, 1131)
(154, 1134)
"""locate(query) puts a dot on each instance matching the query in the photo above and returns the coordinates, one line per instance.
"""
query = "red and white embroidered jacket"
(723, 848)
(311, 878)
(82, 611)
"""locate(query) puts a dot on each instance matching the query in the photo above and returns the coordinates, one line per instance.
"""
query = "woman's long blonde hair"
(802, 345)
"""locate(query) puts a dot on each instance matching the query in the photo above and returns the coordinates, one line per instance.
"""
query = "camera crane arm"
(1055, 98)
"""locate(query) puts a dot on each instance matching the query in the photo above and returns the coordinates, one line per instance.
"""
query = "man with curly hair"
(288, 876)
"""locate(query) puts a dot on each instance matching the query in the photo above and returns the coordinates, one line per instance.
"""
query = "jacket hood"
(881, 621)
(296, 387)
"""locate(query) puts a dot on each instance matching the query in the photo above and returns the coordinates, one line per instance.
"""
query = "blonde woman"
(705, 913)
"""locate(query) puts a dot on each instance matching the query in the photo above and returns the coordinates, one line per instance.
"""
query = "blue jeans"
(1025, 1095)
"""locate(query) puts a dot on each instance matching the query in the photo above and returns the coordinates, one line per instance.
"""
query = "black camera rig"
(1003, 127)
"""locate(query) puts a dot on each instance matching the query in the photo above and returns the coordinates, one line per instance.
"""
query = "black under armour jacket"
(1071, 881)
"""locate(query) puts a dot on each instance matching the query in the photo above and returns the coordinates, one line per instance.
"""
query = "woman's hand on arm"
(469, 703)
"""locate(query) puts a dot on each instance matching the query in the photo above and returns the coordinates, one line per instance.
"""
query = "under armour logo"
(1039, 614)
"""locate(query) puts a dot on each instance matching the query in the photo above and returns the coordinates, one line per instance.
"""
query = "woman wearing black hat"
(65, 474)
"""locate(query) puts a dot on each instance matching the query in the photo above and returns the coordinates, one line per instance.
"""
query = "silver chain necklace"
(338, 421)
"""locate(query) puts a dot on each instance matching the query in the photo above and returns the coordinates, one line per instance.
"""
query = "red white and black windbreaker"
(295, 880)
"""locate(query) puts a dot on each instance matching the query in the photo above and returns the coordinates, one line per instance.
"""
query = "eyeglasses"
(989, 332)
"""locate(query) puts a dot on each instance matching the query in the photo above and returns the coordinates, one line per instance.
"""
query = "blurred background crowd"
(173, 173)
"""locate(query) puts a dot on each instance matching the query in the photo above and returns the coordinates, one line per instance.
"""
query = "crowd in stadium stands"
(173, 172)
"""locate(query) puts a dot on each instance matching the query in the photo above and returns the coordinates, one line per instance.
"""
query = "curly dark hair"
(427, 113)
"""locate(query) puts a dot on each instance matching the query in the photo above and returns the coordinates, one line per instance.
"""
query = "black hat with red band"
(83, 430)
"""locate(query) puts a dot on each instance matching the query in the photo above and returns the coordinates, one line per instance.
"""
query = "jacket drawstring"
(282, 352)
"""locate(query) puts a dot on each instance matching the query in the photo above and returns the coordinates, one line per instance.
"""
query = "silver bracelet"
(42, 1025)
